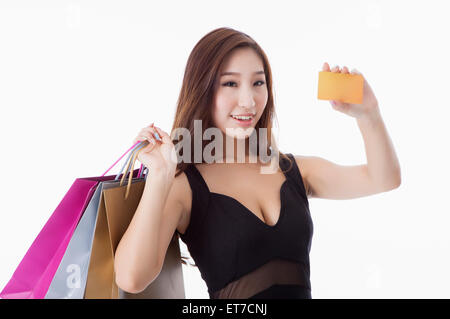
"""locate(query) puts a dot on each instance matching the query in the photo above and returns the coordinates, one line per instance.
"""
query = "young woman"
(249, 233)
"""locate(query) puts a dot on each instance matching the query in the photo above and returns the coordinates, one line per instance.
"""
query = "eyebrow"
(232, 73)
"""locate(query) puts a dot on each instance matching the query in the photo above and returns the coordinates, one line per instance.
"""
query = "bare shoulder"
(305, 164)
(181, 192)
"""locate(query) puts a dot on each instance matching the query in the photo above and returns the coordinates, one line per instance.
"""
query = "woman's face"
(242, 93)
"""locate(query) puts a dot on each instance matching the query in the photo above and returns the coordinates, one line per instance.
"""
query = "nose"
(246, 99)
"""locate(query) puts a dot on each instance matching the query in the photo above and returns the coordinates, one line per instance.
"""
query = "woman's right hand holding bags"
(159, 155)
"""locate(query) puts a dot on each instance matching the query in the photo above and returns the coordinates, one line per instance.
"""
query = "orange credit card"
(347, 88)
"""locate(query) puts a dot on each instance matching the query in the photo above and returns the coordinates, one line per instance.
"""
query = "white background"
(79, 79)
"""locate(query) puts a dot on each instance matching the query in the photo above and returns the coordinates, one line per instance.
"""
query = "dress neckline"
(245, 208)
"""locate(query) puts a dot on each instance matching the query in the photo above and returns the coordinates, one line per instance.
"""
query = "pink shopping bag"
(35, 272)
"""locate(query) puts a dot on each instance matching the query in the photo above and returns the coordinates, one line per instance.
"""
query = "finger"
(336, 104)
(164, 136)
(145, 136)
(140, 138)
(345, 70)
(326, 67)
(152, 132)
(149, 130)
(354, 71)
(335, 69)
(157, 136)
(145, 129)
(148, 148)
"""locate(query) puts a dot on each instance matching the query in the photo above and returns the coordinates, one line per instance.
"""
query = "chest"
(257, 193)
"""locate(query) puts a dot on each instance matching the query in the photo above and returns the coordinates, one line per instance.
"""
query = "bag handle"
(132, 147)
(131, 158)
(130, 166)
(129, 155)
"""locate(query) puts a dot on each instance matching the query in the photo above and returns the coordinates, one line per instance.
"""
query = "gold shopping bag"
(116, 210)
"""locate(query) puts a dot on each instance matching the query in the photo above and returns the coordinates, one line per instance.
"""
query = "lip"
(244, 114)
(242, 122)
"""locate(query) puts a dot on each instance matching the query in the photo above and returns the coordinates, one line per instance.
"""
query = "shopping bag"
(33, 276)
(116, 209)
(169, 284)
(69, 281)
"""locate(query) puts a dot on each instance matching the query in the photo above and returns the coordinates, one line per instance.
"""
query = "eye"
(226, 83)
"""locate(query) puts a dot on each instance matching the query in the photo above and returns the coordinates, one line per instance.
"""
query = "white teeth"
(241, 117)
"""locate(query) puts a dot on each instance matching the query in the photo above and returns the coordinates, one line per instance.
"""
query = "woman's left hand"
(369, 106)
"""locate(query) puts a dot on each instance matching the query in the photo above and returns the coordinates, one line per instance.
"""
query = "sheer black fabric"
(238, 255)
(259, 283)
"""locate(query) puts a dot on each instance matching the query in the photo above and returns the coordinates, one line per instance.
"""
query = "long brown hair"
(199, 82)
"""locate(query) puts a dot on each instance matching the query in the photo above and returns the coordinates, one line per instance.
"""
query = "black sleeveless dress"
(241, 257)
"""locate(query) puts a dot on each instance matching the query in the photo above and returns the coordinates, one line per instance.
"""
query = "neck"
(237, 150)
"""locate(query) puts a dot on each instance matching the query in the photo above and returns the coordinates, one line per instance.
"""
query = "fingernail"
(333, 102)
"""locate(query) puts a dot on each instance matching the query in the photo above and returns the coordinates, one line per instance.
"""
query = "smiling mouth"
(244, 121)
(243, 118)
